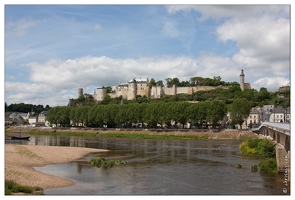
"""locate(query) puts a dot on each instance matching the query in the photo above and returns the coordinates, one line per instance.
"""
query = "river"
(160, 167)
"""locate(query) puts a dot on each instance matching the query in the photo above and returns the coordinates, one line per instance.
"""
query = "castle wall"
(169, 91)
(156, 92)
(130, 90)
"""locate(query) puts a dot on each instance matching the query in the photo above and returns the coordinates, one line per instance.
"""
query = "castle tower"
(132, 92)
(242, 80)
(80, 92)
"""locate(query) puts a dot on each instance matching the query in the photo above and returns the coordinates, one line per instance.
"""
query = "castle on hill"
(130, 89)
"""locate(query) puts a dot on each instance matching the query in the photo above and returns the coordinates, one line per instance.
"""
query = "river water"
(160, 167)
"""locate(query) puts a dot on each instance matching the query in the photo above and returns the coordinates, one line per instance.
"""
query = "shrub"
(268, 165)
(266, 149)
(253, 143)
(238, 165)
(246, 150)
(258, 147)
(254, 168)
(101, 162)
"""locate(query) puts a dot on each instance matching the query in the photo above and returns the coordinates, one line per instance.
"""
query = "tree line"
(150, 115)
(25, 108)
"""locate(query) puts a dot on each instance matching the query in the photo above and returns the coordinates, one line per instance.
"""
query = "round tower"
(242, 80)
(80, 92)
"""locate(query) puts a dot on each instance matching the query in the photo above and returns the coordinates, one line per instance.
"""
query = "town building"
(254, 119)
(280, 115)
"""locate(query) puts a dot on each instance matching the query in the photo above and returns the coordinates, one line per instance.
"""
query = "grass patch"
(102, 162)
(24, 151)
(12, 187)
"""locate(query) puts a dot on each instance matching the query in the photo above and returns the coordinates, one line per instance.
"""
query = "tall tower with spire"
(242, 80)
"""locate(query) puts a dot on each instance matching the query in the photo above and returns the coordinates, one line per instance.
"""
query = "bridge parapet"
(279, 133)
(278, 127)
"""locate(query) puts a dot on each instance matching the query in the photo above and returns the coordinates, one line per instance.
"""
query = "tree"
(152, 82)
(160, 83)
(216, 112)
(240, 110)
(108, 89)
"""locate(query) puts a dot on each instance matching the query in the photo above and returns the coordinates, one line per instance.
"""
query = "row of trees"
(25, 108)
(150, 114)
(194, 81)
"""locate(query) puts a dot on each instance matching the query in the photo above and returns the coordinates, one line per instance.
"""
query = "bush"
(268, 165)
(253, 143)
(101, 162)
(238, 165)
(258, 147)
(254, 168)
(266, 149)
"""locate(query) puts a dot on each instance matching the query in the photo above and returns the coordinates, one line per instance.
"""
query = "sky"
(52, 50)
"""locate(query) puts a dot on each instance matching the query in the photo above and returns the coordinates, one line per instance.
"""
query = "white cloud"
(218, 12)
(56, 81)
(271, 83)
(20, 27)
(170, 29)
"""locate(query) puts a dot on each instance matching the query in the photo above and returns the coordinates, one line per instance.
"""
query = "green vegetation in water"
(12, 187)
(262, 148)
(254, 168)
(102, 162)
(258, 147)
(268, 165)
(238, 165)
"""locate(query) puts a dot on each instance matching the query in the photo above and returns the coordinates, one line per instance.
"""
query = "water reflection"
(157, 166)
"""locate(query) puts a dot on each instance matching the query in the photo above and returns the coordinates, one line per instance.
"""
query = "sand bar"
(20, 160)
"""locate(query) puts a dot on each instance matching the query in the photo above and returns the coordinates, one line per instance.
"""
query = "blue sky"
(51, 50)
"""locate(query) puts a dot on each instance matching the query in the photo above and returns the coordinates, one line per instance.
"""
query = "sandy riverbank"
(20, 160)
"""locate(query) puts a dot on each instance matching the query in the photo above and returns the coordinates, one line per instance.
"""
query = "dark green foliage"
(266, 149)
(139, 114)
(12, 187)
(25, 108)
(258, 147)
(102, 162)
(240, 110)
(253, 143)
(254, 168)
(238, 165)
(268, 165)
(263, 148)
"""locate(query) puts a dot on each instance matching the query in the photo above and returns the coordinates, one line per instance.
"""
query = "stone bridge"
(280, 134)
